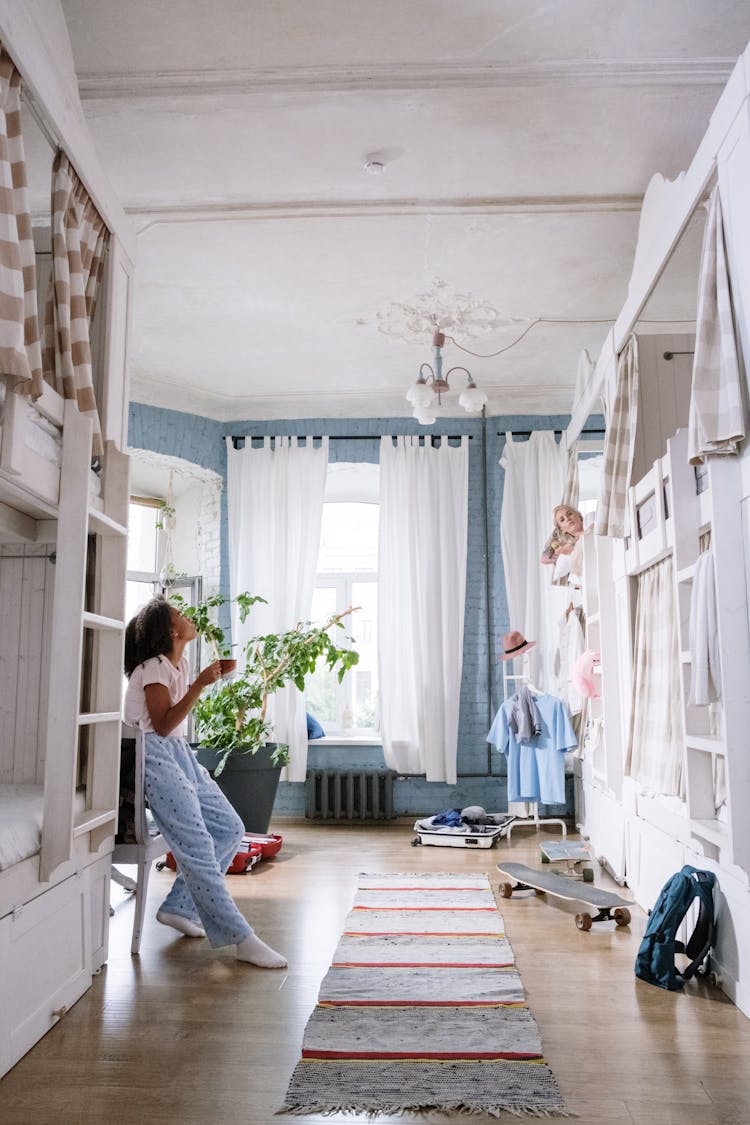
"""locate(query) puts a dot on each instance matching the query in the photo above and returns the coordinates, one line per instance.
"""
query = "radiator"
(349, 795)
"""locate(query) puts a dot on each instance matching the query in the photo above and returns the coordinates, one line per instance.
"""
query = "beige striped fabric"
(79, 242)
(654, 756)
(20, 354)
(716, 423)
(619, 443)
(572, 484)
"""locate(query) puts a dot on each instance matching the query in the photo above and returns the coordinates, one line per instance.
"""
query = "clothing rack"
(534, 820)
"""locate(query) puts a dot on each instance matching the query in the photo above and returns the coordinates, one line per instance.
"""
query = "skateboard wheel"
(588, 875)
(506, 890)
(583, 921)
(621, 915)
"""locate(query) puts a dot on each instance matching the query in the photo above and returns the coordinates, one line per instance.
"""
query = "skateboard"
(609, 907)
(571, 855)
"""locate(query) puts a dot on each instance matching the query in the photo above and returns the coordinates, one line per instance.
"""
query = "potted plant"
(234, 733)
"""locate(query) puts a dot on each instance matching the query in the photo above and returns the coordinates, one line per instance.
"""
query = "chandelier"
(432, 384)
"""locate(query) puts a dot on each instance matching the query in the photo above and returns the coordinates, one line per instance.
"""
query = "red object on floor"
(269, 842)
(246, 858)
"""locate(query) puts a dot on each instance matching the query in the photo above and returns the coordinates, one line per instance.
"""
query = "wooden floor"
(184, 1035)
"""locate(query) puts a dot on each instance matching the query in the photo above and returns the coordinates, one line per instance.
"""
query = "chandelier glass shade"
(426, 394)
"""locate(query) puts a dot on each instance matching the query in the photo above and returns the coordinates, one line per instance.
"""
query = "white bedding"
(21, 809)
(43, 438)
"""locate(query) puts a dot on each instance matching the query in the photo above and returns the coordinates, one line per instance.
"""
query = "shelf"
(687, 574)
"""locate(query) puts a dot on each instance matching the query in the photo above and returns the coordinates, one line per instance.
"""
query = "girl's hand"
(209, 675)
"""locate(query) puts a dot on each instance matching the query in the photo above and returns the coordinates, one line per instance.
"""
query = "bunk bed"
(63, 528)
(674, 509)
(31, 447)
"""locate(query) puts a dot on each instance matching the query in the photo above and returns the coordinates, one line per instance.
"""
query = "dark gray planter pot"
(248, 781)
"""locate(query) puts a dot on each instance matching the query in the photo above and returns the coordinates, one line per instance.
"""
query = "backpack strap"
(704, 933)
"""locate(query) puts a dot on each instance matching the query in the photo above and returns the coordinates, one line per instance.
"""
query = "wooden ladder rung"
(91, 718)
(102, 524)
(97, 621)
(89, 819)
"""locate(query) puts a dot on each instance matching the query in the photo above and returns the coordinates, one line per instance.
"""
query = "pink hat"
(514, 643)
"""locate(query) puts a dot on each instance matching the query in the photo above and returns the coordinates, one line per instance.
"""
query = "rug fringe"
(422, 1110)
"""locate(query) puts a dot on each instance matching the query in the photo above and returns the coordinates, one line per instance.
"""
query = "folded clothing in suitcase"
(463, 835)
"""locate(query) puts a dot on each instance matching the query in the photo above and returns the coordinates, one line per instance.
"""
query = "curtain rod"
(558, 433)
(350, 437)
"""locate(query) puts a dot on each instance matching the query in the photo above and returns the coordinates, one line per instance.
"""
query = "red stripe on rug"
(421, 1003)
(422, 909)
(468, 1056)
(392, 889)
(419, 933)
(421, 965)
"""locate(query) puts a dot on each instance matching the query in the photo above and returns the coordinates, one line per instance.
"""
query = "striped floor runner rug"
(423, 1009)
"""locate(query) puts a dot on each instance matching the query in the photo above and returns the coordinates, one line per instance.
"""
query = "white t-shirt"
(157, 670)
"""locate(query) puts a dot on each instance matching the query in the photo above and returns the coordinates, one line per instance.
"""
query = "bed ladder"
(88, 625)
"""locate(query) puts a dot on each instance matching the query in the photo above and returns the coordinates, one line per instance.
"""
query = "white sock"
(177, 922)
(255, 951)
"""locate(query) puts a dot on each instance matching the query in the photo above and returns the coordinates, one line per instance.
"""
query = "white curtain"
(421, 595)
(535, 479)
(275, 504)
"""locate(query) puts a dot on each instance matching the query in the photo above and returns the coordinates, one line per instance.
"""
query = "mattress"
(21, 808)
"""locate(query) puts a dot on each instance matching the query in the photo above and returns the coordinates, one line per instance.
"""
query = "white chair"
(149, 843)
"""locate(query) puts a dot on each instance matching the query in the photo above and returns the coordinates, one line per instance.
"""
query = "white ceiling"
(517, 137)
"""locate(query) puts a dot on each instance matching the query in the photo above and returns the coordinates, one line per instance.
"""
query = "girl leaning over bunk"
(202, 829)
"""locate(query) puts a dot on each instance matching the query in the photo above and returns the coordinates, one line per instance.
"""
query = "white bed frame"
(645, 840)
(61, 622)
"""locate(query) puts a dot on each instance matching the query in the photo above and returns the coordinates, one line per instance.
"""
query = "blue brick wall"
(481, 774)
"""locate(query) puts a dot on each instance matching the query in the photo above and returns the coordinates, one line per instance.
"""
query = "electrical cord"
(548, 320)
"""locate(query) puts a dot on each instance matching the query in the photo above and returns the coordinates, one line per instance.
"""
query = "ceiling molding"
(706, 71)
(507, 398)
(152, 215)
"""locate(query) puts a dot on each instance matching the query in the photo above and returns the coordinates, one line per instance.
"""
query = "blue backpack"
(655, 961)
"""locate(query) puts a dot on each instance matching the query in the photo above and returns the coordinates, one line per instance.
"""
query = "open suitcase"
(249, 853)
(474, 836)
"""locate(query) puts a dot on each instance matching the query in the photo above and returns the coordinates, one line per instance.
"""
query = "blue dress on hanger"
(536, 769)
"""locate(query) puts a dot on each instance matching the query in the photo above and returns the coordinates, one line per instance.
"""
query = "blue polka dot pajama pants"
(203, 832)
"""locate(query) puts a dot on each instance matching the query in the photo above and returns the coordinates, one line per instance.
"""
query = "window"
(145, 550)
(347, 576)
(143, 554)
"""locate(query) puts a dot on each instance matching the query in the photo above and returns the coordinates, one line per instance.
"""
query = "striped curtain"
(619, 443)
(717, 423)
(79, 242)
(20, 354)
(656, 726)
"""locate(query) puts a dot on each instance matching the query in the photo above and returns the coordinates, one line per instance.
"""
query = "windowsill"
(346, 740)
